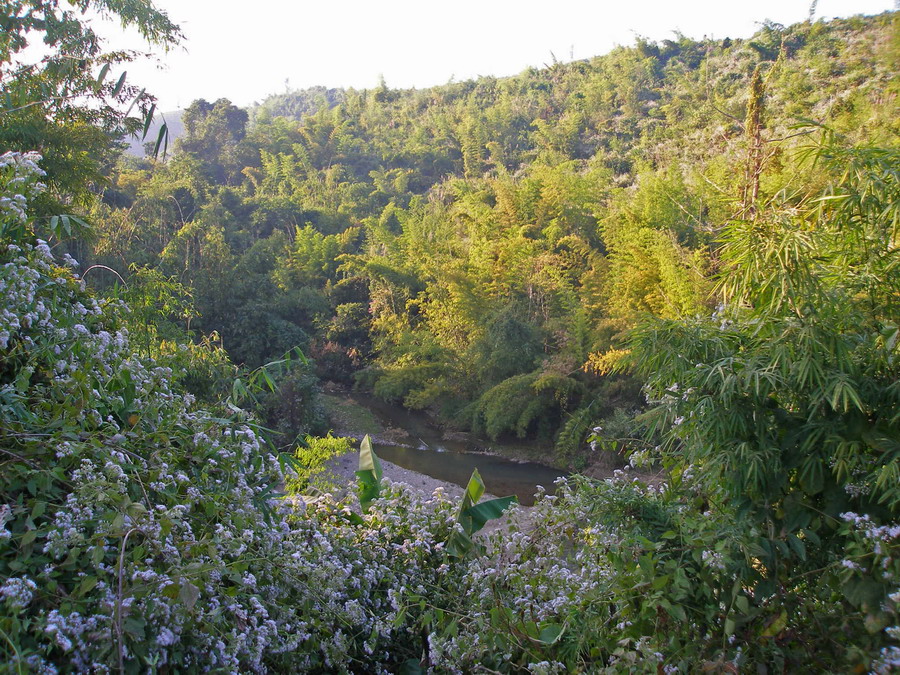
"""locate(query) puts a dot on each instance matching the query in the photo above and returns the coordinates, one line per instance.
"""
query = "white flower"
(18, 592)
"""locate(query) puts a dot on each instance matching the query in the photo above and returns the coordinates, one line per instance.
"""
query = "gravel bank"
(344, 469)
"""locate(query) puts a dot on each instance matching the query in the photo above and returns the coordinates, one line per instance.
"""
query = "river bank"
(343, 469)
(426, 455)
(353, 414)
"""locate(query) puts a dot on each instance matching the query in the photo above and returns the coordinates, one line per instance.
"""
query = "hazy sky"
(244, 51)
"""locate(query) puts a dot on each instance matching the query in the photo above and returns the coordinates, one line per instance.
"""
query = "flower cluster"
(20, 176)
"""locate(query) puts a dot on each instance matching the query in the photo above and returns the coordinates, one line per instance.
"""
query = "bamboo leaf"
(162, 140)
(104, 71)
(148, 120)
(119, 84)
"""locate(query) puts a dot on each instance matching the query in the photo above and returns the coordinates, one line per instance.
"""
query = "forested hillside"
(473, 249)
(684, 255)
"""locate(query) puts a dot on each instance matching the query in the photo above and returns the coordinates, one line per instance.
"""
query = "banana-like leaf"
(368, 460)
(369, 474)
(475, 488)
(473, 516)
(459, 544)
(551, 633)
(481, 513)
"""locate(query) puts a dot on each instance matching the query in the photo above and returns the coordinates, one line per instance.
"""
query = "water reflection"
(501, 476)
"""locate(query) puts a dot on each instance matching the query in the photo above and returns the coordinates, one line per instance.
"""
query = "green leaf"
(38, 510)
(410, 667)
(188, 594)
(267, 378)
(863, 593)
(28, 538)
(135, 626)
(551, 633)
(479, 514)
(660, 582)
(797, 546)
(369, 474)
(119, 84)
(148, 120)
(368, 460)
(369, 488)
(475, 488)
(162, 140)
(87, 584)
(459, 544)
(104, 71)
(677, 612)
(777, 625)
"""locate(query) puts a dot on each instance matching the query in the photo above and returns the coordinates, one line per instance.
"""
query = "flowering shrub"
(783, 405)
(140, 532)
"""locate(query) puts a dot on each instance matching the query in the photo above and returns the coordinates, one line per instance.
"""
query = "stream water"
(427, 451)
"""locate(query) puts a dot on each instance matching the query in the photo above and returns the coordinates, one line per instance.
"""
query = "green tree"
(785, 403)
(71, 103)
(213, 133)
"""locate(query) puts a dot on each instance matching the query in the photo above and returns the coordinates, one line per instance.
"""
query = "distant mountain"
(173, 123)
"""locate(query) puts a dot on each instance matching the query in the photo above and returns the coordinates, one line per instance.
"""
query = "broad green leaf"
(777, 625)
(677, 612)
(660, 582)
(459, 544)
(485, 511)
(369, 474)
(38, 510)
(369, 488)
(551, 633)
(368, 460)
(475, 488)
(28, 538)
(86, 585)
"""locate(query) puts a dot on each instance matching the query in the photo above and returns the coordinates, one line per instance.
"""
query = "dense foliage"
(494, 251)
(70, 99)
(451, 248)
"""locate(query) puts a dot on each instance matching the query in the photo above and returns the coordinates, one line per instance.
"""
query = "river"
(426, 450)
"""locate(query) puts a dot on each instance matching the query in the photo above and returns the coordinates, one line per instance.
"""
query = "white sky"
(245, 51)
